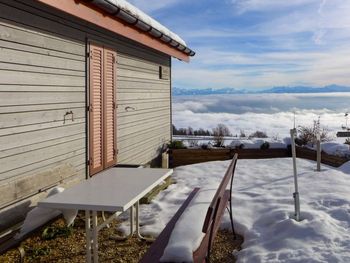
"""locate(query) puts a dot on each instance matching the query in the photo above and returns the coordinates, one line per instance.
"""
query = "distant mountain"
(304, 89)
(296, 89)
(184, 92)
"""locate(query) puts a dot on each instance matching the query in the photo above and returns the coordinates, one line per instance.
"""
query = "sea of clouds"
(271, 113)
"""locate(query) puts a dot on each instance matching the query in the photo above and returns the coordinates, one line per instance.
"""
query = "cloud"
(273, 124)
(322, 4)
(243, 70)
(272, 113)
(242, 6)
(257, 44)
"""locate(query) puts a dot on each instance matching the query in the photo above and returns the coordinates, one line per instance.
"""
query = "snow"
(69, 215)
(39, 216)
(263, 209)
(345, 168)
(134, 11)
(256, 143)
(232, 142)
(187, 235)
(335, 148)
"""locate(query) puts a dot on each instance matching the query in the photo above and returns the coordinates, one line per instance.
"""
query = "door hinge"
(89, 107)
(89, 162)
(114, 59)
(115, 105)
(89, 55)
(115, 152)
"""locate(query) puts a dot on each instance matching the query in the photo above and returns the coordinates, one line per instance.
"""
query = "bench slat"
(229, 174)
(200, 254)
(211, 223)
(155, 252)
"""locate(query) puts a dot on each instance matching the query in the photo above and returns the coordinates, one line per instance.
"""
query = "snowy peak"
(281, 89)
(305, 89)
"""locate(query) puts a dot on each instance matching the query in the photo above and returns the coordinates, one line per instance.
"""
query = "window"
(102, 108)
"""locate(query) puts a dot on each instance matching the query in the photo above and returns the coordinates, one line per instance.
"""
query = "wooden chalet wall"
(42, 77)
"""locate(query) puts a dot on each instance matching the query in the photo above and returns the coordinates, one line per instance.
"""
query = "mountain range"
(282, 89)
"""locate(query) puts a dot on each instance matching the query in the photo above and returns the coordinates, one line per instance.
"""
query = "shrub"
(239, 146)
(347, 141)
(36, 253)
(308, 134)
(53, 232)
(242, 134)
(276, 137)
(258, 134)
(265, 146)
(193, 143)
(204, 146)
(219, 132)
(176, 145)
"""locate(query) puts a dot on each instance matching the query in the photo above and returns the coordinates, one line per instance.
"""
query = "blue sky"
(256, 44)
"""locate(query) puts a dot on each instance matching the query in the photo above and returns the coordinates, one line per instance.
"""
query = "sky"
(258, 44)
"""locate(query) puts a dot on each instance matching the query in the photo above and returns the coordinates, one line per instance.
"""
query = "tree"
(258, 134)
(175, 131)
(308, 134)
(242, 134)
(189, 130)
(219, 133)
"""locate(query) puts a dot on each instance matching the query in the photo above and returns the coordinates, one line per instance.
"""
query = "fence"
(178, 157)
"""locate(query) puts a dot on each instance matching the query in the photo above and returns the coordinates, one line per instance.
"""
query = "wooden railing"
(178, 157)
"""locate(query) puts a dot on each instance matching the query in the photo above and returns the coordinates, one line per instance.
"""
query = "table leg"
(138, 224)
(95, 236)
(104, 218)
(132, 220)
(88, 235)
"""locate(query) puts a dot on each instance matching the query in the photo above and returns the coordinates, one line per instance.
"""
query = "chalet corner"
(84, 85)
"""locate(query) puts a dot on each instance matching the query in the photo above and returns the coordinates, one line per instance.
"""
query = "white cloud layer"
(271, 113)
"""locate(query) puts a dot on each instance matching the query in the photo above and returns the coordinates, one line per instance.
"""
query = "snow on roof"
(146, 19)
(135, 16)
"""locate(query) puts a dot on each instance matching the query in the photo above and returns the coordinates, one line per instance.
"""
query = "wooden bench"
(221, 200)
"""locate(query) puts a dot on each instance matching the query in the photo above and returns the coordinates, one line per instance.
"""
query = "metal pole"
(95, 236)
(88, 235)
(296, 193)
(318, 153)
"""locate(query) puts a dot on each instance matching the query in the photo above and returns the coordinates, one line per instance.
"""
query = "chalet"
(84, 85)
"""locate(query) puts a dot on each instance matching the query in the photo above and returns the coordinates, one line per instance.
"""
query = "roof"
(121, 17)
(132, 15)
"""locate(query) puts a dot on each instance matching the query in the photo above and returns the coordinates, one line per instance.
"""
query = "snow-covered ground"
(337, 149)
(263, 207)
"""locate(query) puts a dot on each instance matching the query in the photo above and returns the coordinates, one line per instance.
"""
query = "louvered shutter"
(109, 108)
(96, 109)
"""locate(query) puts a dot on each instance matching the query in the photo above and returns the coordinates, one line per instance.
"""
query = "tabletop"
(115, 189)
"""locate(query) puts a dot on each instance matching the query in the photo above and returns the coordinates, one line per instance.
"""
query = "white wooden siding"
(43, 76)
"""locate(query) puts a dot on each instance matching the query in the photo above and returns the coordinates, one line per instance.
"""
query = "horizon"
(332, 88)
(255, 44)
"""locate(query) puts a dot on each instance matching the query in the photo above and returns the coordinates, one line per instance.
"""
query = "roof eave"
(88, 12)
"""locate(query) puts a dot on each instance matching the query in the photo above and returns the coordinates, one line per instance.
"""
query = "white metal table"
(114, 190)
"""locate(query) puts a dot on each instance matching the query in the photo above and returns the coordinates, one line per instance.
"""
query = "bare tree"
(308, 134)
(258, 134)
(219, 133)
(242, 134)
